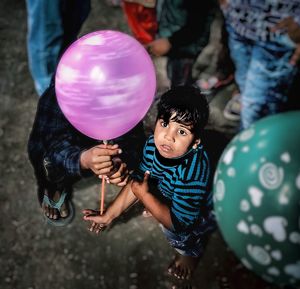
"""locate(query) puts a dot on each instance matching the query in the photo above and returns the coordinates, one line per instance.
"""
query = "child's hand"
(293, 30)
(139, 188)
(119, 175)
(291, 27)
(99, 158)
(159, 47)
(98, 222)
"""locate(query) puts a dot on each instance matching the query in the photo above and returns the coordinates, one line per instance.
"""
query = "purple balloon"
(105, 83)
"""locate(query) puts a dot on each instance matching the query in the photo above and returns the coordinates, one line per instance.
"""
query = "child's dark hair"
(189, 105)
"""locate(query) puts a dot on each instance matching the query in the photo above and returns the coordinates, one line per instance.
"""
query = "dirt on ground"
(131, 254)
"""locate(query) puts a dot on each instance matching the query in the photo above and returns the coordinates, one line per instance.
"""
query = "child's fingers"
(283, 24)
(120, 175)
(121, 171)
(103, 165)
(296, 56)
(100, 228)
(146, 175)
(90, 212)
(92, 227)
(123, 183)
(111, 151)
(104, 171)
(108, 146)
(93, 218)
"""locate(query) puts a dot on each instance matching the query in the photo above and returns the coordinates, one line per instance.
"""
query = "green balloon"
(257, 197)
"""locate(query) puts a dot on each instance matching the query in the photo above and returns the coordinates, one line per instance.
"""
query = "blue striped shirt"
(183, 184)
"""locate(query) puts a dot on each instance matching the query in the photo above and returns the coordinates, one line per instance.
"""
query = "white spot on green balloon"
(229, 155)
(270, 176)
(275, 226)
(262, 144)
(262, 160)
(244, 205)
(268, 247)
(295, 237)
(231, 172)
(242, 227)
(276, 254)
(285, 157)
(259, 254)
(247, 134)
(245, 149)
(293, 270)
(263, 132)
(256, 230)
(273, 271)
(298, 182)
(253, 168)
(284, 195)
(220, 190)
(256, 196)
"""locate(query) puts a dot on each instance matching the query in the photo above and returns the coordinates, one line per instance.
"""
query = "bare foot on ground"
(182, 267)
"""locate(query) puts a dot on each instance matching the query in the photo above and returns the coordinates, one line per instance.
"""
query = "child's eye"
(182, 132)
(163, 124)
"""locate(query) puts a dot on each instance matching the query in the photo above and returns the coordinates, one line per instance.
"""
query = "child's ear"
(196, 143)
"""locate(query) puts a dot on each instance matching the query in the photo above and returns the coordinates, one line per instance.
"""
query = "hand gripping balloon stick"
(102, 195)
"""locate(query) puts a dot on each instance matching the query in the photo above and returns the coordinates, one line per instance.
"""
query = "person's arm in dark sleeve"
(199, 15)
(62, 143)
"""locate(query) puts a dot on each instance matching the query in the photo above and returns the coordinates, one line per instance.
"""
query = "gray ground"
(133, 254)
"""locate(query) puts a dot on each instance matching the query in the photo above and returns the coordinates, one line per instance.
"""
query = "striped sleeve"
(192, 194)
(147, 160)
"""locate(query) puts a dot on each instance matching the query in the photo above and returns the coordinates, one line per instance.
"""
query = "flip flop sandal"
(60, 222)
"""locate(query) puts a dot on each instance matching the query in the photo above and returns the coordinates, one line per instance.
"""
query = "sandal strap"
(56, 205)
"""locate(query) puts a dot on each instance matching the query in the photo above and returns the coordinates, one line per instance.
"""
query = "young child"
(175, 179)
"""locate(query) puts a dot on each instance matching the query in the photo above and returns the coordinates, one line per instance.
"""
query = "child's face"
(173, 139)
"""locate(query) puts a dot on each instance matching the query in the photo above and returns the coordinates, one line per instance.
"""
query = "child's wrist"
(109, 217)
(82, 160)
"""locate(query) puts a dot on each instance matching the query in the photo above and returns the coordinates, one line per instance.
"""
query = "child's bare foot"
(182, 267)
(52, 212)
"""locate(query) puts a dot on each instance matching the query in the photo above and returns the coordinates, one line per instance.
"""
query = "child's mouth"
(165, 148)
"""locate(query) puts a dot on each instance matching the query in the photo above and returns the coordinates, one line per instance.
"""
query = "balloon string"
(102, 195)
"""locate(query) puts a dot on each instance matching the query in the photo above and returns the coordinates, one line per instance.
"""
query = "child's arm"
(159, 211)
(120, 204)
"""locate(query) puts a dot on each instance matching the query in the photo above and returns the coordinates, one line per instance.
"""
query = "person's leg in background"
(74, 14)
(240, 51)
(224, 73)
(179, 70)
(269, 79)
(52, 26)
(44, 40)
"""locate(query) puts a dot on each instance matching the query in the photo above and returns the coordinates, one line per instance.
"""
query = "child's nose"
(169, 135)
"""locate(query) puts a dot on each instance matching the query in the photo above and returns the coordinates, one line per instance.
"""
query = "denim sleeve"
(62, 160)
